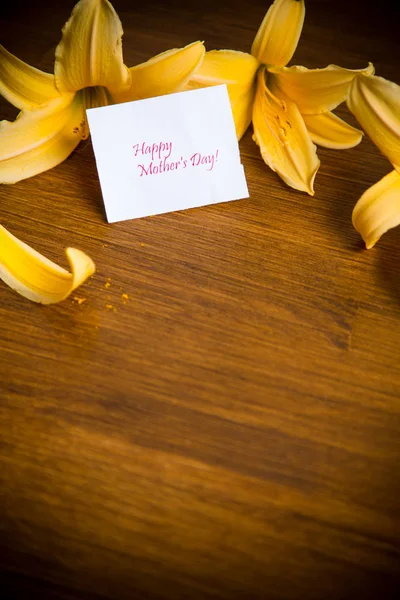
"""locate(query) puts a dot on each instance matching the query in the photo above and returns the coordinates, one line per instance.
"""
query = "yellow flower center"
(95, 96)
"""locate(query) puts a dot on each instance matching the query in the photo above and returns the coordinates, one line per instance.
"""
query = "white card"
(167, 153)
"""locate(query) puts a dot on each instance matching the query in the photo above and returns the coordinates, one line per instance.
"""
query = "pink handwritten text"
(156, 151)
(162, 167)
(200, 159)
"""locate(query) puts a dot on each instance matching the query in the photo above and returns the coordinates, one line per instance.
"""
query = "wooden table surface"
(232, 429)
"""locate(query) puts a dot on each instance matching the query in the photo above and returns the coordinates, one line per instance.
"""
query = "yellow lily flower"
(375, 102)
(290, 106)
(34, 276)
(89, 72)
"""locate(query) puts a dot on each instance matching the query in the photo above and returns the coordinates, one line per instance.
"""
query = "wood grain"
(232, 430)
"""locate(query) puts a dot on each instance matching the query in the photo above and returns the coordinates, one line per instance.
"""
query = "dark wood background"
(232, 429)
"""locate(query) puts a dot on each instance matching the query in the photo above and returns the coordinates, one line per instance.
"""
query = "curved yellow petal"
(40, 139)
(90, 51)
(375, 102)
(163, 74)
(284, 142)
(279, 33)
(315, 91)
(23, 85)
(225, 66)
(242, 101)
(238, 71)
(330, 131)
(36, 277)
(378, 209)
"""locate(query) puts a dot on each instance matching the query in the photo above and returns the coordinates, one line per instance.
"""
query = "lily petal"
(40, 139)
(378, 209)
(315, 91)
(285, 145)
(163, 74)
(226, 66)
(279, 33)
(238, 71)
(375, 102)
(90, 51)
(23, 85)
(242, 101)
(330, 131)
(36, 277)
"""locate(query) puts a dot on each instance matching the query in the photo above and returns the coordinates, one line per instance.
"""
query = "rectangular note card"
(167, 153)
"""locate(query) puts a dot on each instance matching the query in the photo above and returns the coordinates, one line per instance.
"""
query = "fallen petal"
(34, 276)
(23, 85)
(285, 145)
(330, 131)
(279, 33)
(378, 209)
(314, 90)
